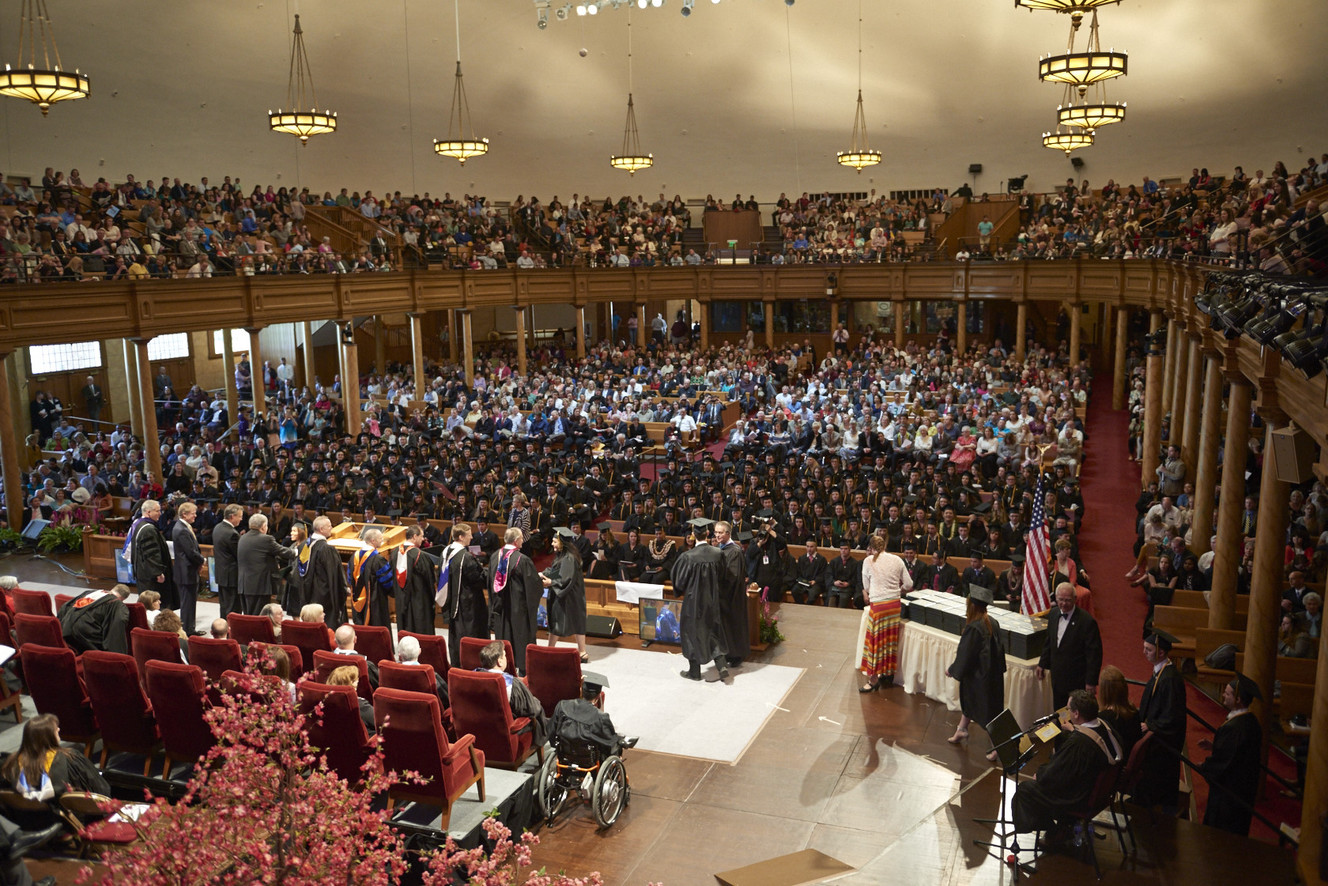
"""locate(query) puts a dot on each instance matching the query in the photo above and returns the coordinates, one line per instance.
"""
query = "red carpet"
(1110, 485)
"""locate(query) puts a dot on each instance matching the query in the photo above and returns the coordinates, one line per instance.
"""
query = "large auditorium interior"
(764, 442)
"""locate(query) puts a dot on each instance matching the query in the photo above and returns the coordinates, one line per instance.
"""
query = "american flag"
(1037, 580)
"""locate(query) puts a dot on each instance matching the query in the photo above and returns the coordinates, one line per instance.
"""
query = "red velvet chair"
(53, 682)
(433, 651)
(308, 637)
(148, 646)
(479, 707)
(138, 618)
(7, 631)
(470, 654)
(61, 600)
(259, 688)
(411, 730)
(374, 642)
(553, 673)
(44, 630)
(246, 629)
(177, 695)
(337, 730)
(123, 712)
(293, 655)
(215, 656)
(32, 602)
(412, 678)
(327, 662)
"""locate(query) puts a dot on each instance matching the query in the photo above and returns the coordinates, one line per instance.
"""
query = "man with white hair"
(320, 575)
(371, 581)
(257, 557)
(149, 556)
(408, 653)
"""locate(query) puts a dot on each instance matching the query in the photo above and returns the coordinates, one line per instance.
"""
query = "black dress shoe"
(688, 675)
(21, 842)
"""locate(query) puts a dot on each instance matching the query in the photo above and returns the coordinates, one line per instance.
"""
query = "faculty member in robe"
(416, 584)
(733, 595)
(371, 581)
(698, 576)
(461, 586)
(97, 620)
(515, 589)
(320, 575)
(150, 557)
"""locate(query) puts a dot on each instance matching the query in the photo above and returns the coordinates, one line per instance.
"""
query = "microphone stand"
(1004, 845)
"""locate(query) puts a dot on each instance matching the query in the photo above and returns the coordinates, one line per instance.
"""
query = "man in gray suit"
(257, 557)
(188, 559)
(225, 545)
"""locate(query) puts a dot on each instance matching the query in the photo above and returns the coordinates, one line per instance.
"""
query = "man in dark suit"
(941, 576)
(1073, 652)
(812, 570)
(188, 560)
(151, 558)
(225, 544)
(976, 574)
(93, 399)
(257, 556)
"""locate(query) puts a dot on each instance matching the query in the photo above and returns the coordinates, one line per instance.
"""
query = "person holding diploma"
(567, 593)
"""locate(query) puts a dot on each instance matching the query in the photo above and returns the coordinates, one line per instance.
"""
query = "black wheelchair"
(585, 769)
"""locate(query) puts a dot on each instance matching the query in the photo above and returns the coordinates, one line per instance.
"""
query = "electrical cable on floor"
(63, 567)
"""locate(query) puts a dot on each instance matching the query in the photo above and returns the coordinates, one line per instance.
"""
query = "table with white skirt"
(925, 653)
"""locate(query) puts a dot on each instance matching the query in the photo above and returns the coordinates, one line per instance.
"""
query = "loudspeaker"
(974, 168)
(605, 627)
(1293, 455)
(1077, 162)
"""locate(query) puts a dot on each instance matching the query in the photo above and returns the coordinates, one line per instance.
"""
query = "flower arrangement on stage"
(263, 808)
(768, 622)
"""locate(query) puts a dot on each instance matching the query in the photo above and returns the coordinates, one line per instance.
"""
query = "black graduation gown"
(1162, 710)
(467, 608)
(567, 596)
(577, 720)
(375, 581)
(698, 576)
(514, 611)
(96, 624)
(323, 581)
(631, 561)
(733, 602)
(415, 606)
(1062, 784)
(152, 558)
(979, 666)
(1233, 765)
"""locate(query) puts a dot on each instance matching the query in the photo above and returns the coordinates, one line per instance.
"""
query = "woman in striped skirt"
(884, 579)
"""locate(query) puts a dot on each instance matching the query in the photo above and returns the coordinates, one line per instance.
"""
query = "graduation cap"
(910, 545)
(1246, 689)
(911, 499)
(564, 532)
(1018, 558)
(1161, 639)
(604, 527)
(743, 536)
(979, 594)
(592, 682)
(394, 512)
(765, 513)
(422, 515)
(726, 465)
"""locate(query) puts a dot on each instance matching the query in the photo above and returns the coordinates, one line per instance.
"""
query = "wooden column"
(417, 354)
(1205, 480)
(131, 382)
(1152, 442)
(1076, 330)
(467, 348)
(581, 332)
(1169, 372)
(1194, 379)
(899, 323)
(1267, 580)
(1230, 538)
(151, 439)
(769, 324)
(531, 329)
(642, 328)
(521, 341)
(453, 334)
(232, 393)
(703, 320)
(1315, 802)
(256, 371)
(1120, 393)
(1105, 340)
(1179, 393)
(1021, 331)
(350, 383)
(380, 345)
(9, 461)
(310, 371)
(961, 327)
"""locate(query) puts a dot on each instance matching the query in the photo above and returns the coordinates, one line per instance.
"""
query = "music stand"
(1006, 735)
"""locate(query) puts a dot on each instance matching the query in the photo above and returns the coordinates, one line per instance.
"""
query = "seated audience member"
(277, 615)
(167, 622)
(41, 769)
(578, 720)
(1064, 782)
(522, 701)
(221, 629)
(1116, 710)
(97, 620)
(345, 640)
(1293, 637)
(408, 653)
(312, 613)
(151, 601)
(350, 676)
(277, 664)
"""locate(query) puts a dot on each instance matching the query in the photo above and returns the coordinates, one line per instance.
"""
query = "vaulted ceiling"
(744, 95)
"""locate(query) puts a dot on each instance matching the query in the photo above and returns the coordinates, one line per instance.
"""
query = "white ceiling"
(183, 87)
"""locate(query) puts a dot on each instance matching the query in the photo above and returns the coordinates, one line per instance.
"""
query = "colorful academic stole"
(89, 598)
(445, 574)
(500, 576)
(403, 565)
(357, 561)
(128, 550)
(306, 554)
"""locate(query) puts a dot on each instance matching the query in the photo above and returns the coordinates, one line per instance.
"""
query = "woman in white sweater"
(884, 580)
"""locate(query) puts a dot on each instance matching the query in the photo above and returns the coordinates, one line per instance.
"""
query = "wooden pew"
(1296, 676)
(1196, 600)
(1182, 622)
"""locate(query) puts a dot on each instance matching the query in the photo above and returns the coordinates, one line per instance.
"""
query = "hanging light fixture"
(48, 84)
(859, 155)
(297, 122)
(1090, 116)
(1067, 139)
(1082, 69)
(459, 123)
(631, 159)
(1075, 8)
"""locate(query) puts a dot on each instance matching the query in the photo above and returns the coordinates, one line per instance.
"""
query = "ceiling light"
(580, 9)
(1067, 139)
(461, 143)
(687, 7)
(1082, 69)
(631, 159)
(48, 84)
(859, 155)
(300, 94)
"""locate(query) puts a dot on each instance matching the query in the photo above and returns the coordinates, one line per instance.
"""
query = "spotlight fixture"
(1277, 319)
(687, 7)
(1309, 348)
(300, 94)
(542, 14)
(48, 84)
(789, 2)
(593, 9)
(580, 9)
(563, 12)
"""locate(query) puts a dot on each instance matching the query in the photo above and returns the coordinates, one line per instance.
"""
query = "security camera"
(563, 12)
